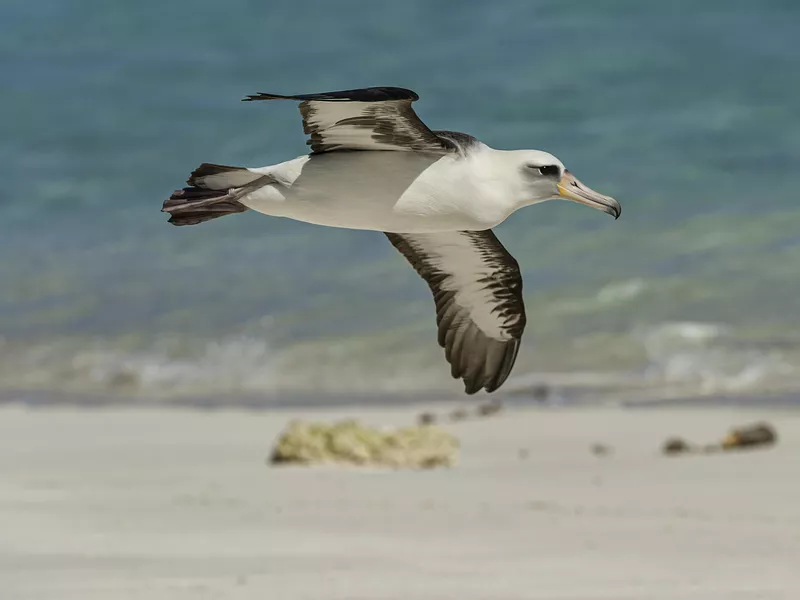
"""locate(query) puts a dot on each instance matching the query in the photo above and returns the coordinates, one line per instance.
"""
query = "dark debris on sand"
(752, 436)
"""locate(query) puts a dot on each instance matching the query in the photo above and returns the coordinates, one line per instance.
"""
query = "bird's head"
(544, 177)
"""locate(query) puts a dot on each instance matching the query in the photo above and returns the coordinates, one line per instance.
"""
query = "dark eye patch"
(550, 170)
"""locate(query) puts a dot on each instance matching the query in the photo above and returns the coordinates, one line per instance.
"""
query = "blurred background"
(686, 112)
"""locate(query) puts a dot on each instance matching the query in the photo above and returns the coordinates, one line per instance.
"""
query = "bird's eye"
(549, 170)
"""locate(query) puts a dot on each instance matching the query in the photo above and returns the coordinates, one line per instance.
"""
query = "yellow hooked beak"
(572, 189)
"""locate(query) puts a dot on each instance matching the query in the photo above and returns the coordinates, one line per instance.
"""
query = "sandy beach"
(173, 504)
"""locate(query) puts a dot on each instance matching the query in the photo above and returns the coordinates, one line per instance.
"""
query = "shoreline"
(555, 398)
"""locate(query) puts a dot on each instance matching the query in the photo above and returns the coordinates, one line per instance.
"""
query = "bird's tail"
(214, 191)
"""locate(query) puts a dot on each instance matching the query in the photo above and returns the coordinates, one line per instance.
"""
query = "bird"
(435, 194)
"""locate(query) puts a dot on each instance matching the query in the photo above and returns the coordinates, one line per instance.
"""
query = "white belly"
(402, 192)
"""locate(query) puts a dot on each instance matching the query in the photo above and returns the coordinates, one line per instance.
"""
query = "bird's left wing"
(477, 288)
(377, 118)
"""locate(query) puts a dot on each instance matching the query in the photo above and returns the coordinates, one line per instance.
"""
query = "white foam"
(707, 356)
(616, 293)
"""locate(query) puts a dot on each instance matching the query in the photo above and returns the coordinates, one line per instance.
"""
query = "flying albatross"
(375, 165)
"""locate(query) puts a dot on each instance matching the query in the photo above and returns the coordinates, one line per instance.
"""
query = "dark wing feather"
(477, 288)
(378, 118)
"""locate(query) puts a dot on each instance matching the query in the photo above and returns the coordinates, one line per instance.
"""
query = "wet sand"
(173, 504)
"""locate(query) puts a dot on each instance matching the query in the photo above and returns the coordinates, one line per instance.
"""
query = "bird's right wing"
(477, 288)
(377, 118)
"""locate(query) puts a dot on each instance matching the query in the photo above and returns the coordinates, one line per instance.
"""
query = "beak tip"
(614, 211)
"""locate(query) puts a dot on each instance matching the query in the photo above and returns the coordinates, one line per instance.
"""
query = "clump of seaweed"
(349, 442)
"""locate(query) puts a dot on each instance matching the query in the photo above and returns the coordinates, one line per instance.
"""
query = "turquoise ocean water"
(687, 112)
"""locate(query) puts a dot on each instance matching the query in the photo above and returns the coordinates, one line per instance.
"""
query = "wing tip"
(484, 378)
(264, 96)
(370, 94)
(472, 390)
